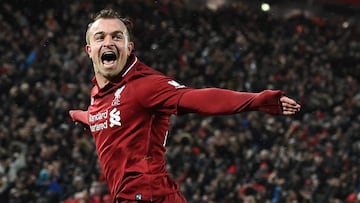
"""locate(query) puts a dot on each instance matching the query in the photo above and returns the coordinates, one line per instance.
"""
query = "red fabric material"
(213, 101)
(129, 119)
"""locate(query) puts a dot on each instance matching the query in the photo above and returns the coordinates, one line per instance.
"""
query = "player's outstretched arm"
(213, 101)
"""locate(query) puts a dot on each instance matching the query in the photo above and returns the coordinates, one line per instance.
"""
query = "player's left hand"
(289, 106)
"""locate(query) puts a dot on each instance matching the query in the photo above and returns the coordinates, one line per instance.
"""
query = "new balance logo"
(138, 197)
(175, 84)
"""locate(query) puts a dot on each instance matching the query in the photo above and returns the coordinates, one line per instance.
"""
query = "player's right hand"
(79, 116)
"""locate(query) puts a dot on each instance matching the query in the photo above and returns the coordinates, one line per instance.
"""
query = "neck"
(101, 81)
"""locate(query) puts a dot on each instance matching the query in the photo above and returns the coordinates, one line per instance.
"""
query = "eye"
(118, 37)
(99, 37)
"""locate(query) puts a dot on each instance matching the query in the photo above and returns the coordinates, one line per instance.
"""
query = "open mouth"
(108, 57)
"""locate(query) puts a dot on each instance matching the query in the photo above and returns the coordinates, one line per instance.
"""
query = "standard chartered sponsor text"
(97, 117)
(99, 126)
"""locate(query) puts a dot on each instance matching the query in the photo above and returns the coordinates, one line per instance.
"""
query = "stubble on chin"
(110, 76)
(107, 75)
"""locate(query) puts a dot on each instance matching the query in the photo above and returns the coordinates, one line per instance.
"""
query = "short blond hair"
(110, 14)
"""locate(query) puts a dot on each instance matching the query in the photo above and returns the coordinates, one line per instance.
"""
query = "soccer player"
(130, 109)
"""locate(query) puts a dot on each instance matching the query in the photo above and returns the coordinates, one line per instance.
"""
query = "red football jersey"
(129, 120)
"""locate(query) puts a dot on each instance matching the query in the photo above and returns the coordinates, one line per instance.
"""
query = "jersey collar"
(128, 66)
(132, 60)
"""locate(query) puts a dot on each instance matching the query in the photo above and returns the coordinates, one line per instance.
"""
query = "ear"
(88, 50)
(130, 47)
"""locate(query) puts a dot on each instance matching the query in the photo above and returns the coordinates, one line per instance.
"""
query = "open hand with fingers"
(289, 106)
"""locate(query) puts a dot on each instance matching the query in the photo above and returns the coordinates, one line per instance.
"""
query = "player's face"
(108, 47)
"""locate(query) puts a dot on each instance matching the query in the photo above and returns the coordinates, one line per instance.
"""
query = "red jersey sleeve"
(160, 93)
(212, 101)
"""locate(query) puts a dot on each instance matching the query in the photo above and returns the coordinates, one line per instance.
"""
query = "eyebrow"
(115, 32)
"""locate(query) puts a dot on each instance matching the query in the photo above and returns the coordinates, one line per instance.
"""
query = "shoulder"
(143, 73)
(141, 70)
(148, 81)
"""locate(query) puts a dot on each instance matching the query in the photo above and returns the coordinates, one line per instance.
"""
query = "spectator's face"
(108, 47)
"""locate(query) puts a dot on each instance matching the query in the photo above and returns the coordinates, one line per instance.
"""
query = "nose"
(108, 45)
(108, 42)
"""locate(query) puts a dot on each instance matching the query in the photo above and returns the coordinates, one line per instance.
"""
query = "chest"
(115, 110)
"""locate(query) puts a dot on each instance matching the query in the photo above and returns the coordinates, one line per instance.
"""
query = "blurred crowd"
(313, 157)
